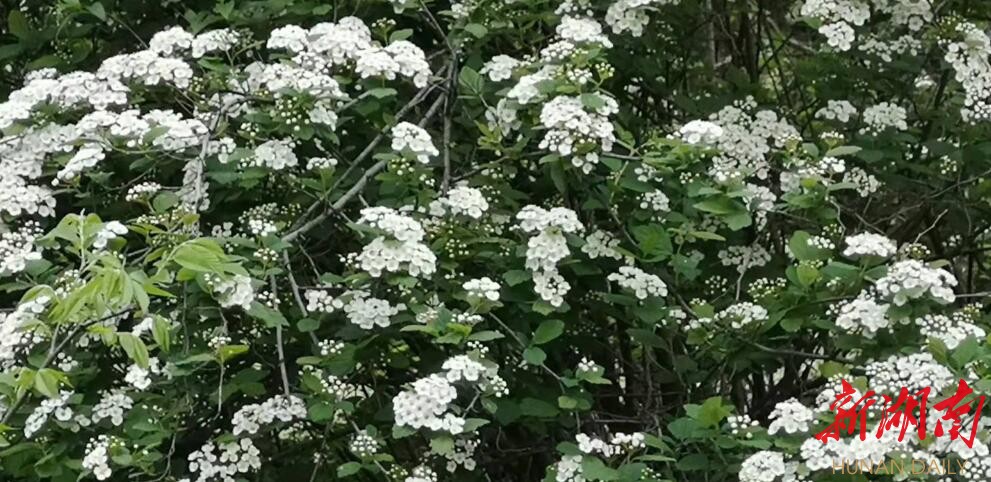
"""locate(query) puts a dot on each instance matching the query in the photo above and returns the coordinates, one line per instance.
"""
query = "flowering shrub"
(632, 240)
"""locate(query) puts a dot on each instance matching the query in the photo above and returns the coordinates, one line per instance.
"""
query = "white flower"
(700, 132)
(642, 284)
(869, 244)
(466, 201)
(912, 279)
(863, 314)
(762, 466)
(482, 288)
(415, 139)
(283, 408)
(790, 416)
(500, 67)
(237, 291)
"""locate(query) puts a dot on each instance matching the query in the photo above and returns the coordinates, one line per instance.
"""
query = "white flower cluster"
(547, 247)
(747, 139)
(913, 372)
(912, 279)
(284, 408)
(969, 57)
(737, 316)
(142, 191)
(401, 248)
(367, 312)
(276, 154)
(837, 110)
(500, 68)
(482, 288)
(363, 445)
(866, 184)
(113, 405)
(836, 17)
(236, 291)
(97, 458)
(762, 466)
(700, 132)
(225, 461)
(407, 137)
(631, 15)
(461, 201)
(572, 130)
(569, 468)
(950, 330)
(15, 338)
(140, 377)
(790, 416)
(601, 244)
(863, 314)
(59, 407)
(744, 257)
(869, 244)
(655, 201)
(422, 473)
(327, 45)
(881, 116)
(108, 232)
(641, 283)
(321, 301)
(17, 248)
(427, 402)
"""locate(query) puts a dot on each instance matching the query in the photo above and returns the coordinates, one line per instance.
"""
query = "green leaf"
(717, 205)
(594, 468)
(307, 325)
(161, 332)
(534, 356)
(135, 348)
(47, 382)
(229, 352)
(476, 29)
(348, 469)
(382, 92)
(654, 241)
(537, 408)
(17, 25)
(547, 331)
(593, 101)
(711, 412)
(966, 351)
(471, 80)
(442, 445)
(842, 151)
(516, 276)
(272, 318)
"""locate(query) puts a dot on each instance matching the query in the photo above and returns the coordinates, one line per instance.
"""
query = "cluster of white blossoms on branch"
(283, 408)
(399, 248)
(911, 279)
(641, 283)
(547, 246)
(414, 139)
(631, 15)
(427, 404)
(838, 110)
(838, 18)
(461, 201)
(862, 314)
(748, 136)
(869, 244)
(570, 469)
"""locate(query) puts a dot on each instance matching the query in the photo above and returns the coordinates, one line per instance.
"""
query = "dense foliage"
(499, 240)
